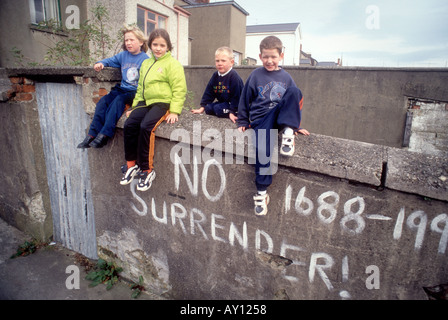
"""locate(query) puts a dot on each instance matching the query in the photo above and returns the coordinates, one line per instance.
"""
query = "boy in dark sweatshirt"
(270, 100)
(222, 94)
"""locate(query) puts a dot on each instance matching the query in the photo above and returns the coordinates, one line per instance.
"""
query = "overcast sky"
(389, 33)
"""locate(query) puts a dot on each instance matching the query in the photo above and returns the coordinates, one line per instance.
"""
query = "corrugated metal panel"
(63, 122)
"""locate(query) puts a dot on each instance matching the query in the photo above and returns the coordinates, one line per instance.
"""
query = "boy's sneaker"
(287, 147)
(145, 180)
(261, 202)
(128, 174)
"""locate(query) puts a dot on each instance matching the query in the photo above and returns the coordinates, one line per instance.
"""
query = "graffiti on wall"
(352, 215)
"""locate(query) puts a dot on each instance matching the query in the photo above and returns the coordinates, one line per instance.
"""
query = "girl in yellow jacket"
(160, 96)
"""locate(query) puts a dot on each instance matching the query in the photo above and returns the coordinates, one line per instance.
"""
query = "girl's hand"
(98, 66)
(172, 118)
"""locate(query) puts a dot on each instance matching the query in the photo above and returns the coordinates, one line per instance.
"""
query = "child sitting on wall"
(222, 94)
(270, 100)
(110, 108)
(160, 97)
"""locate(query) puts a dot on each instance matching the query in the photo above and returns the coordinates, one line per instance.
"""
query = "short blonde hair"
(226, 50)
(138, 34)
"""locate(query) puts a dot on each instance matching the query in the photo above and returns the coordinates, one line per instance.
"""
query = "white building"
(148, 15)
(288, 33)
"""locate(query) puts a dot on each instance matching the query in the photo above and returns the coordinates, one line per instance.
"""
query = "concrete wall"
(362, 104)
(429, 127)
(347, 219)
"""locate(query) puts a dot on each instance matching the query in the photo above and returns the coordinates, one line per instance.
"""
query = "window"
(147, 20)
(44, 10)
(237, 57)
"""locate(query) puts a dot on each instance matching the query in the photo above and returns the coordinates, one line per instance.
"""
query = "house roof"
(264, 28)
(213, 4)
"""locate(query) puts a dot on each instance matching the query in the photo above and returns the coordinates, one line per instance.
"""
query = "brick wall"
(22, 89)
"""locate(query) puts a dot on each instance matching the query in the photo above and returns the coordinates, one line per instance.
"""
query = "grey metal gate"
(63, 122)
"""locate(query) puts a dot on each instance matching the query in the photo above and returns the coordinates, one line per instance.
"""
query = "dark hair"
(271, 42)
(160, 33)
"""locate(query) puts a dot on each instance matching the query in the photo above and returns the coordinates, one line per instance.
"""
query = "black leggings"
(139, 134)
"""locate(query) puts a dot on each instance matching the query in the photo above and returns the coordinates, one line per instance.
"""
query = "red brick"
(95, 100)
(11, 94)
(103, 92)
(28, 88)
(24, 97)
(16, 80)
(16, 87)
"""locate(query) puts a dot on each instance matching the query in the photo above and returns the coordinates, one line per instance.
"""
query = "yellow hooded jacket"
(161, 80)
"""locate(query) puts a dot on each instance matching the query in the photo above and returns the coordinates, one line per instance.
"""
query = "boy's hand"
(242, 129)
(303, 131)
(200, 110)
(98, 66)
(233, 117)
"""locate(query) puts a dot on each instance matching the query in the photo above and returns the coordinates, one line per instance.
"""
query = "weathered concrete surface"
(43, 275)
(24, 191)
(326, 236)
(418, 173)
(429, 129)
(354, 103)
(361, 104)
(347, 219)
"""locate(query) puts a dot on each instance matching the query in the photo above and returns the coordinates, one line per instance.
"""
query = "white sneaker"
(145, 180)
(128, 174)
(261, 202)
(287, 147)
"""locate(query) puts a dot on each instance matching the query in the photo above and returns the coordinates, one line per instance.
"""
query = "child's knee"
(209, 109)
(222, 110)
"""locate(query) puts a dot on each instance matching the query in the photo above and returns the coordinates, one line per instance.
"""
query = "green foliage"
(104, 272)
(137, 288)
(78, 47)
(27, 248)
(21, 60)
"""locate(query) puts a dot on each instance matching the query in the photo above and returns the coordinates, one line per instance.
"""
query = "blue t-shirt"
(263, 91)
(130, 67)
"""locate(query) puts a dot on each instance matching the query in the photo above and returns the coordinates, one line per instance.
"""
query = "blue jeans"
(109, 110)
(287, 113)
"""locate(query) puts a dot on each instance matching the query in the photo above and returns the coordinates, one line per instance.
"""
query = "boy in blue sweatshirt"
(222, 94)
(110, 108)
(270, 100)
